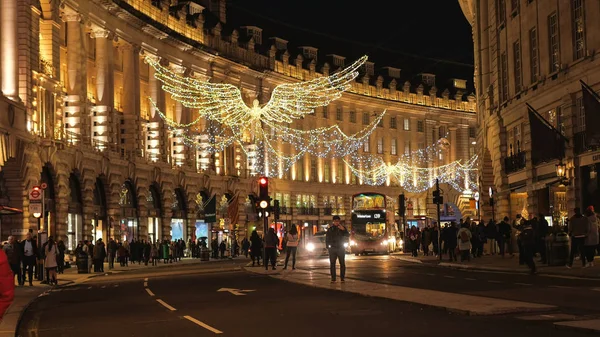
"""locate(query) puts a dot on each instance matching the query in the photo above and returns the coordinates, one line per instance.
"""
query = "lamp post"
(491, 192)
(476, 197)
(561, 171)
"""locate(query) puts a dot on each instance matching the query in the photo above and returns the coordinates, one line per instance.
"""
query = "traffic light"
(264, 200)
(276, 209)
(437, 198)
(401, 205)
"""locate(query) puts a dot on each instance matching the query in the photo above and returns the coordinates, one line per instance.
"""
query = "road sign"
(35, 194)
(44, 186)
(35, 207)
(236, 292)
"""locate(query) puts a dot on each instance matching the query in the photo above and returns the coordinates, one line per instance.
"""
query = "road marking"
(523, 284)
(236, 292)
(89, 288)
(202, 324)
(596, 289)
(116, 285)
(146, 279)
(492, 281)
(165, 304)
(145, 284)
(446, 276)
(470, 279)
(149, 292)
(103, 287)
(561, 287)
(429, 274)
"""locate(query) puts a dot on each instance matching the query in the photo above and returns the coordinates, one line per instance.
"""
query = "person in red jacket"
(7, 284)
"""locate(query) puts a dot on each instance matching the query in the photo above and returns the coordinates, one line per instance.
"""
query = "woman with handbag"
(292, 246)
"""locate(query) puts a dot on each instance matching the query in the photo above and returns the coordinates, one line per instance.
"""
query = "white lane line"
(146, 279)
(149, 292)
(470, 279)
(523, 284)
(145, 284)
(561, 287)
(492, 281)
(446, 276)
(596, 289)
(202, 324)
(430, 274)
(165, 304)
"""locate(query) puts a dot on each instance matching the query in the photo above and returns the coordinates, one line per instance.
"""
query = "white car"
(316, 246)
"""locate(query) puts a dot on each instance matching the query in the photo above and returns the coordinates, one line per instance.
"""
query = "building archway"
(179, 220)
(154, 206)
(100, 224)
(202, 228)
(129, 229)
(47, 178)
(74, 213)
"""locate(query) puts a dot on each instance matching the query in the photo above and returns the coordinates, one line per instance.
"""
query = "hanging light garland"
(278, 146)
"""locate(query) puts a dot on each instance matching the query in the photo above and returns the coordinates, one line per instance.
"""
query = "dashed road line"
(470, 279)
(446, 276)
(430, 274)
(202, 324)
(561, 287)
(149, 292)
(165, 304)
(523, 284)
(103, 287)
(493, 281)
(145, 284)
(146, 279)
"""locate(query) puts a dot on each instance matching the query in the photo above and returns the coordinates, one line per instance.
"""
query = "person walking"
(464, 242)
(291, 247)
(13, 253)
(527, 237)
(578, 229)
(591, 240)
(451, 241)
(222, 248)
(256, 245)
(51, 253)
(335, 238)
(61, 256)
(245, 247)
(112, 252)
(504, 237)
(30, 254)
(271, 243)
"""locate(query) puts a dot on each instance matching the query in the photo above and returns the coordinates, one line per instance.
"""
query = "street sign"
(35, 194)
(44, 186)
(35, 208)
(236, 292)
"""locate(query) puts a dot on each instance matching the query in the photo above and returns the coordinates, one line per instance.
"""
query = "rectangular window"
(325, 112)
(313, 169)
(394, 147)
(517, 63)
(514, 139)
(380, 145)
(365, 118)
(580, 110)
(553, 41)
(514, 6)
(472, 132)
(501, 10)
(338, 114)
(393, 123)
(442, 132)
(406, 124)
(407, 148)
(352, 116)
(420, 126)
(578, 23)
(340, 172)
(533, 54)
(504, 77)
(366, 145)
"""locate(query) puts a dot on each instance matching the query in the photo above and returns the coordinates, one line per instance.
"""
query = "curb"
(570, 326)
(407, 259)
(512, 271)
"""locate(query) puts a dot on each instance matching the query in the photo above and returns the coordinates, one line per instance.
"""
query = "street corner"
(406, 258)
(260, 270)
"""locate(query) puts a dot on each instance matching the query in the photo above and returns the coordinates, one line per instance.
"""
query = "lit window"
(554, 42)
(393, 147)
(406, 124)
(380, 145)
(578, 29)
(338, 114)
(533, 54)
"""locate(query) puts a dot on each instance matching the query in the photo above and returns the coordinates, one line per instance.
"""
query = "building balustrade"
(515, 162)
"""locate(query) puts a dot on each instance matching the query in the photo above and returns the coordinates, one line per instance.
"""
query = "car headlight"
(310, 246)
(400, 242)
(384, 242)
(345, 244)
(352, 243)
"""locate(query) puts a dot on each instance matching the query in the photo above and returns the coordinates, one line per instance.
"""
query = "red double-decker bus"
(372, 228)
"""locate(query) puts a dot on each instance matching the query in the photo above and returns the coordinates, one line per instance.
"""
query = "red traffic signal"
(263, 181)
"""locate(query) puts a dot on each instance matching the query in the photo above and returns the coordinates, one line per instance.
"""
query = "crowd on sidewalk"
(470, 239)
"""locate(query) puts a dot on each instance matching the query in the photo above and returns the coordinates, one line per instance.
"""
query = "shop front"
(100, 225)
(179, 218)
(153, 205)
(589, 167)
(75, 214)
(129, 226)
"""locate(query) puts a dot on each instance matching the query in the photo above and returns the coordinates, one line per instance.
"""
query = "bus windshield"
(373, 230)
(366, 201)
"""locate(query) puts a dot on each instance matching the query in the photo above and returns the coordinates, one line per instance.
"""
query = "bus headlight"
(345, 244)
(384, 242)
(310, 247)
(400, 242)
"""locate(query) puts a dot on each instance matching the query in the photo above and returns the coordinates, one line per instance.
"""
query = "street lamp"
(561, 170)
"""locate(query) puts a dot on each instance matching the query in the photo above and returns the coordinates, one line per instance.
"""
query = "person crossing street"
(335, 238)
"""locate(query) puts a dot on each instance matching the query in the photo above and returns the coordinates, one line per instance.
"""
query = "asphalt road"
(572, 295)
(192, 305)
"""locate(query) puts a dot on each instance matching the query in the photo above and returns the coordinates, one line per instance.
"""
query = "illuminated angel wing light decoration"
(269, 126)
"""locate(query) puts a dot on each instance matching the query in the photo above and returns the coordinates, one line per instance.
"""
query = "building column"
(74, 102)
(131, 104)
(102, 112)
(9, 52)
(453, 143)
(178, 152)
(155, 124)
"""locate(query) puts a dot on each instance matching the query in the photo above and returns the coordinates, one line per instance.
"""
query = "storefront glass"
(128, 229)
(177, 229)
(74, 229)
(202, 229)
(153, 229)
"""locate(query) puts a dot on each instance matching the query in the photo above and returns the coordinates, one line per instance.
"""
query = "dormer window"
(459, 84)
(309, 53)
(428, 79)
(255, 33)
(370, 68)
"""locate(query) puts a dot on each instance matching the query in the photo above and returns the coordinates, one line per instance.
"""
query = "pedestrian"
(591, 240)
(540, 234)
(51, 253)
(504, 237)
(245, 247)
(491, 234)
(112, 252)
(435, 233)
(13, 253)
(464, 237)
(214, 246)
(222, 248)
(528, 241)
(30, 254)
(271, 243)
(335, 238)
(7, 284)
(518, 226)
(61, 256)
(413, 236)
(99, 255)
(578, 229)
(255, 247)
(451, 241)
(291, 247)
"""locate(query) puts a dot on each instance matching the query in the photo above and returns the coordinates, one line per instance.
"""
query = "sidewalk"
(24, 295)
(506, 264)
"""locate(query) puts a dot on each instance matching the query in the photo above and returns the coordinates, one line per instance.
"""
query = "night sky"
(416, 36)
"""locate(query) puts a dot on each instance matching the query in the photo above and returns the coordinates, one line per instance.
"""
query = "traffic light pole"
(439, 223)
(265, 231)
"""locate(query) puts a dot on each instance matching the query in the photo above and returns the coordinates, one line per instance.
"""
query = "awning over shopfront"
(5, 210)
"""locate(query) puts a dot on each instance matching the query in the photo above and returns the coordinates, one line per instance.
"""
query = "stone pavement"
(24, 295)
(457, 303)
(507, 264)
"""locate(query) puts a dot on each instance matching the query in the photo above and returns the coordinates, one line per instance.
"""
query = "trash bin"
(558, 249)
(82, 264)
(204, 254)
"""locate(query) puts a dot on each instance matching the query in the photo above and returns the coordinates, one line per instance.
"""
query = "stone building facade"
(535, 52)
(75, 115)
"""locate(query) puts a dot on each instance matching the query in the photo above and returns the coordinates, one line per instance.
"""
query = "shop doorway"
(179, 219)
(129, 228)
(154, 213)
(75, 213)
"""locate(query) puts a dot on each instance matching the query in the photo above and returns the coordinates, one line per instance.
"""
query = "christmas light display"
(411, 173)
(278, 145)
